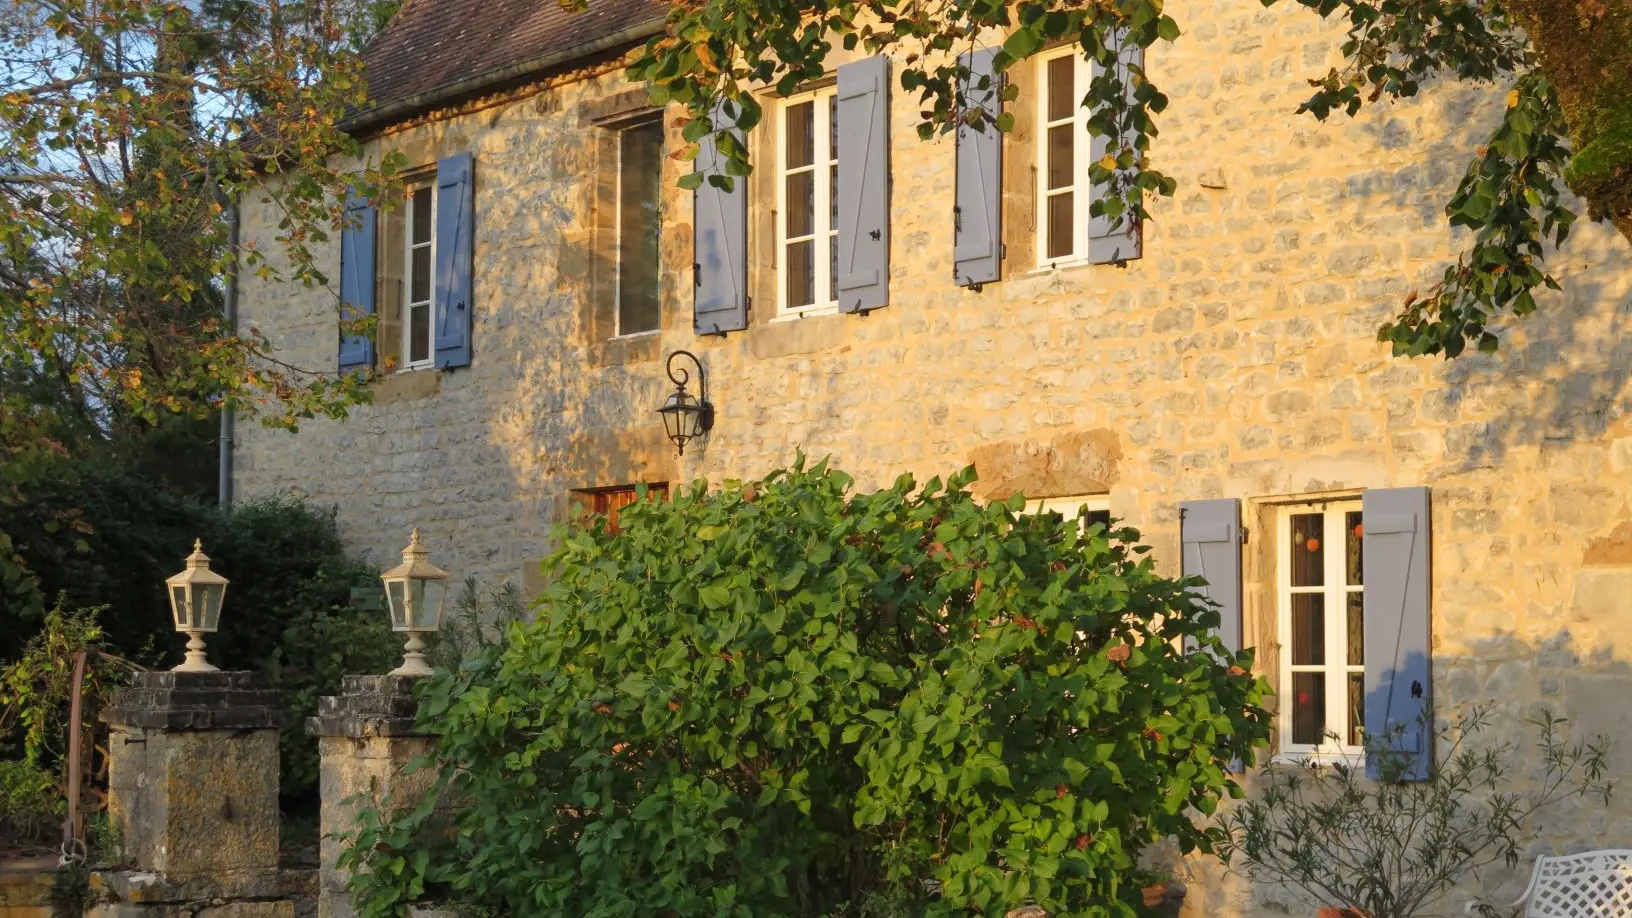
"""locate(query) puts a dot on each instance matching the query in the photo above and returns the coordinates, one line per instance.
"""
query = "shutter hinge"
(1244, 531)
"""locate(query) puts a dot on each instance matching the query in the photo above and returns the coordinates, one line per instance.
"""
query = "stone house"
(1212, 379)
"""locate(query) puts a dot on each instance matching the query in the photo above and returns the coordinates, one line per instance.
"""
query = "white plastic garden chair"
(1593, 884)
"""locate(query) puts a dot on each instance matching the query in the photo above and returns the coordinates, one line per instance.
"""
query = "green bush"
(31, 804)
(785, 698)
(99, 534)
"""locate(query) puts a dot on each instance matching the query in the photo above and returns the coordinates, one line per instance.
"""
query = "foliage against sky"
(125, 130)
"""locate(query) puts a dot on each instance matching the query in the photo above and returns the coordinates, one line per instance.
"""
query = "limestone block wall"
(1235, 359)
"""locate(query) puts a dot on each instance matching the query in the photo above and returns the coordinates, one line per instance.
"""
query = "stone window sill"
(627, 349)
(407, 385)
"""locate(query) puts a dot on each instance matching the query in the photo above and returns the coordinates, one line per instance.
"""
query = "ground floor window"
(606, 502)
(1320, 612)
(1097, 505)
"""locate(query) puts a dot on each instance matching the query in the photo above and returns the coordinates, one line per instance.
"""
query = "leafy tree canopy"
(1568, 64)
(125, 128)
(787, 698)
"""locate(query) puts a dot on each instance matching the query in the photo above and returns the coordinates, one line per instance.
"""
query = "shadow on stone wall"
(1519, 680)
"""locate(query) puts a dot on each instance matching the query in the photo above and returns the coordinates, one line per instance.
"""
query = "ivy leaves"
(1512, 199)
(716, 56)
(787, 698)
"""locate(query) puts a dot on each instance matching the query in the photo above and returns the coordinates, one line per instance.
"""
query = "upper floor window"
(1321, 615)
(1063, 189)
(807, 203)
(639, 227)
(419, 266)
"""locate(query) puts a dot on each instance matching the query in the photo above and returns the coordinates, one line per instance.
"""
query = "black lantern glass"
(686, 416)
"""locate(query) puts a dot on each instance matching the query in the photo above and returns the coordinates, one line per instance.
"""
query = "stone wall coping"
(163, 700)
(368, 706)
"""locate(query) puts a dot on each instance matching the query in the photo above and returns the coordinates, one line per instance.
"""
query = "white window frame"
(1068, 507)
(1336, 668)
(617, 236)
(408, 306)
(822, 230)
(1081, 187)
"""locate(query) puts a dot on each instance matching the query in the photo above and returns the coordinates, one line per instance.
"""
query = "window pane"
(419, 333)
(1308, 554)
(1308, 708)
(419, 287)
(1060, 219)
(833, 127)
(1062, 91)
(801, 274)
(1354, 554)
(641, 164)
(833, 197)
(1357, 709)
(1060, 138)
(832, 266)
(801, 136)
(422, 215)
(1308, 629)
(801, 204)
(1099, 517)
(1357, 628)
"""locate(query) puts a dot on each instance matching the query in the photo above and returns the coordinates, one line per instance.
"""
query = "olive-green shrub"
(788, 698)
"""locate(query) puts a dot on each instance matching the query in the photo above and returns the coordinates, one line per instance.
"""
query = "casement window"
(828, 204)
(419, 277)
(1349, 600)
(1062, 168)
(1097, 505)
(639, 227)
(1320, 614)
(807, 153)
(1067, 231)
(606, 502)
(417, 258)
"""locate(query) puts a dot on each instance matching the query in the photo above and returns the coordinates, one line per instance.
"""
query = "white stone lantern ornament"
(195, 600)
(415, 590)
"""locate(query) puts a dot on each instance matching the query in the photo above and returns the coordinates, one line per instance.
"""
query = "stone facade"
(1235, 359)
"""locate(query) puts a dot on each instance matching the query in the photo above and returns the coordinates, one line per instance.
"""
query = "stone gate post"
(193, 792)
(366, 740)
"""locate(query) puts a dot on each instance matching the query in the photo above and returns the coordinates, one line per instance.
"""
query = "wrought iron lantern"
(196, 595)
(415, 590)
(685, 416)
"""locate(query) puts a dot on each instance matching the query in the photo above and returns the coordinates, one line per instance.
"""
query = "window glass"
(1322, 628)
(807, 207)
(1061, 219)
(640, 166)
(1308, 550)
(421, 281)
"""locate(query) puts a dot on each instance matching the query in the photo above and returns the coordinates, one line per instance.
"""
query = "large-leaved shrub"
(787, 698)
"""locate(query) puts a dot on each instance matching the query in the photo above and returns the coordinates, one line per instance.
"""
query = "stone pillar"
(365, 739)
(193, 775)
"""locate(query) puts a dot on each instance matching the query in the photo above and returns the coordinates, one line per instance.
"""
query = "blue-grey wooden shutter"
(1396, 567)
(1210, 535)
(357, 242)
(719, 245)
(864, 184)
(1123, 242)
(455, 237)
(977, 250)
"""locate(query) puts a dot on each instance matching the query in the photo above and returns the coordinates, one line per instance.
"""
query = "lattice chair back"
(1594, 884)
